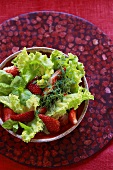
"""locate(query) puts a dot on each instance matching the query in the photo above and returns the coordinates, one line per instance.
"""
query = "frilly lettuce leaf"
(69, 101)
(5, 89)
(15, 105)
(5, 100)
(18, 82)
(75, 72)
(31, 129)
(33, 64)
(60, 107)
(5, 81)
(27, 99)
(74, 68)
(21, 60)
(33, 102)
(86, 95)
(24, 96)
(59, 59)
(44, 80)
(10, 125)
(13, 102)
(45, 69)
(27, 133)
(5, 77)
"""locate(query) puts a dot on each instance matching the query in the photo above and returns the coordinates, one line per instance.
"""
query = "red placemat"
(100, 13)
(68, 34)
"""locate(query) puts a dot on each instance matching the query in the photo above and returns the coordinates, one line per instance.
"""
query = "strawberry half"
(56, 76)
(72, 116)
(34, 88)
(12, 70)
(64, 120)
(42, 110)
(7, 113)
(1, 110)
(23, 117)
(52, 124)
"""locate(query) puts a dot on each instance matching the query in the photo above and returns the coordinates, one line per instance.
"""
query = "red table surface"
(100, 13)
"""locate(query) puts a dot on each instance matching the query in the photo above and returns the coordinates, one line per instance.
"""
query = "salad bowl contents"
(43, 94)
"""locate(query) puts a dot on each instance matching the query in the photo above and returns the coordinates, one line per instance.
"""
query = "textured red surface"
(100, 13)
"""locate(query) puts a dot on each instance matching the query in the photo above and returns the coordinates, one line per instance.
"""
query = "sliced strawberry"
(12, 70)
(23, 117)
(64, 120)
(72, 116)
(34, 88)
(56, 76)
(42, 110)
(1, 110)
(7, 113)
(52, 124)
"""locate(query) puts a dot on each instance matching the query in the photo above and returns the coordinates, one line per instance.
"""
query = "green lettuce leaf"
(86, 95)
(15, 104)
(43, 82)
(24, 96)
(59, 59)
(5, 89)
(10, 125)
(74, 69)
(12, 101)
(5, 77)
(33, 102)
(75, 72)
(17, 83)
(69, 101)
(31, 129)
(33, 64)
(5, 100)
(21, 60)
(5, 80)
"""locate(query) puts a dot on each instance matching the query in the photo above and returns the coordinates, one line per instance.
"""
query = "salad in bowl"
(43, 94)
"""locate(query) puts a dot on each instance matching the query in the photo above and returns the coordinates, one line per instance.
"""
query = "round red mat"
(67, 33)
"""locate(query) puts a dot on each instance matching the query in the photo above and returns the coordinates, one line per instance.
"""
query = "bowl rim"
(68, 131)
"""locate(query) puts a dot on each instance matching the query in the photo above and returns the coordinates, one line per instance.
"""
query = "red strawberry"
(52, 124)
(23, 117)
(34, 88)
(42, 110)
(56, 76)
(1, 110)
(12, 70)
(72, 116)
(7, 113)
(64, 120)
